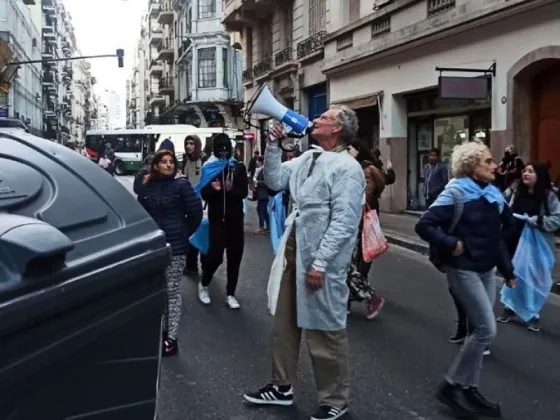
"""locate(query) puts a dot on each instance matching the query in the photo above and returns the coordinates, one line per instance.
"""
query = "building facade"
(20, 91)
(67, 85)
(114, 106)
(283, 47)
(187, 68)
(499, 63)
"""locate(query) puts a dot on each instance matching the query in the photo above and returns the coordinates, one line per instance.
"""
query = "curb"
(406, 242)
(422, 248)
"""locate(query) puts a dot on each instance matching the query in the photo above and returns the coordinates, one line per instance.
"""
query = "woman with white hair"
(470, 253)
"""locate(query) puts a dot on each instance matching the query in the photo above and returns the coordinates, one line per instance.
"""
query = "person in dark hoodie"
(142, 172)
(176, 209)
(193, 159)
(224, 197)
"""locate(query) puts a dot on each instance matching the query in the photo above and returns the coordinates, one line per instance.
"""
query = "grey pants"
(174, 277)
(476, 292)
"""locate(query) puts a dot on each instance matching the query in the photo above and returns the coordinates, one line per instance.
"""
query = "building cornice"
(427, 31)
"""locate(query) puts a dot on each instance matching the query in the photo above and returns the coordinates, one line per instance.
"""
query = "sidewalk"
(399, 230)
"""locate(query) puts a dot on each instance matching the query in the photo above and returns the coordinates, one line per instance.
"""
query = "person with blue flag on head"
(223, 186)
(471, 250)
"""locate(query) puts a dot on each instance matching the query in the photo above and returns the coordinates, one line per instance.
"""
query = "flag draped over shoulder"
(211, 169)
(277, 215)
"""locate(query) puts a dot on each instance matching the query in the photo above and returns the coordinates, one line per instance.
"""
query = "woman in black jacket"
(471, 252)
(171, 201)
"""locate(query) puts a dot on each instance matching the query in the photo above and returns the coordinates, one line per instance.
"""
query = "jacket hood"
(167, 145)
(197, 154)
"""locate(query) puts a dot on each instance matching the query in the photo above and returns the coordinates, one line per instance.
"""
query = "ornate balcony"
(156, 68)
(156, 35)
(166, 14)
(247, 75)
(165, 49)
(153, 8)
(48, 7)
(283, 57)
(311, 45)
(263, 67)
(166, 86)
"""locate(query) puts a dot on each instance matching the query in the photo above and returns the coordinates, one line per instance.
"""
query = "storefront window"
(420, 135)
(441, 123)
(450, 132)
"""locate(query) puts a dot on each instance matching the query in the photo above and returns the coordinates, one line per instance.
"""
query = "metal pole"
(54, 60)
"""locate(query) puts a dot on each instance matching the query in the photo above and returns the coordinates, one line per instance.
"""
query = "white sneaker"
(232, 302)
(203, 294)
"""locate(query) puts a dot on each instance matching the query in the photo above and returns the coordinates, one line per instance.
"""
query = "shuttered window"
(317, 16)
(354, 12)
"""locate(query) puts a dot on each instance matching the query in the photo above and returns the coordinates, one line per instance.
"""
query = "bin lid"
(63, 217)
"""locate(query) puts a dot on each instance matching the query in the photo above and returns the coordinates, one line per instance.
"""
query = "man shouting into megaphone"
(307, 287)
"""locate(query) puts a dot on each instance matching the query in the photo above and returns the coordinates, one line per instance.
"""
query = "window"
(354, 6)
(207, 68)
(266, 39)
(317, 16)
(288, 25)
(225, 67)
(206, 9)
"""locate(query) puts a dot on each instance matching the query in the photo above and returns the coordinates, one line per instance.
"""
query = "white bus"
(131, 146)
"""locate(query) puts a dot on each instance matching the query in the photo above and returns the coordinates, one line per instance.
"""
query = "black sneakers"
(326, 412)
(505, 316)
(534, 325)
(460, 334)
(272, 395)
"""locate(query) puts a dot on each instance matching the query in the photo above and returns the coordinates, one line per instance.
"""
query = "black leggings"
(228, 236)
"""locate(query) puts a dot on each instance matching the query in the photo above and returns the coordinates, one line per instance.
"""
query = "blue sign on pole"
(3, 112)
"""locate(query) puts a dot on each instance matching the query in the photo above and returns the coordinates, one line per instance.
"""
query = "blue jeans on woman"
(262, 211)
(476, 292)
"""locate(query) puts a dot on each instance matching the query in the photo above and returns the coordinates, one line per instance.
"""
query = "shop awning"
(363, 101)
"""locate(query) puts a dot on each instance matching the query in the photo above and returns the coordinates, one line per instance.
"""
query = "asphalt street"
(397, 360)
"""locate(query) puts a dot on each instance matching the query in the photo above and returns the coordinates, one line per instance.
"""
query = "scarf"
(469, 191)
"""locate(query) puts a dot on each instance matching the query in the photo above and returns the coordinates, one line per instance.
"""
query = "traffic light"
(120, 55)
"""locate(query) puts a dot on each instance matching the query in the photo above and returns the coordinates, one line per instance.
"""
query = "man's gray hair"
(348, 120)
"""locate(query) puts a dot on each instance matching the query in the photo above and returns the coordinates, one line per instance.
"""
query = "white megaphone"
(262, 102)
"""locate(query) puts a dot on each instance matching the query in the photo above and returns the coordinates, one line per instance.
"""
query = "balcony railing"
(283, 56)
(166, 44)
(437, 6)
(310, 45)
(48, 78)
(166, 83)
(263, 67)
(247, 75)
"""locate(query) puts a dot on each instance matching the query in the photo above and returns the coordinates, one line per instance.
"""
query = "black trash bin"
(82, 289)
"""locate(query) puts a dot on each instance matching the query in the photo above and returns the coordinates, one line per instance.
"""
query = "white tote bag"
(278, 266)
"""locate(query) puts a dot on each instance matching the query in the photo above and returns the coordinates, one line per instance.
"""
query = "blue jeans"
(476, 293)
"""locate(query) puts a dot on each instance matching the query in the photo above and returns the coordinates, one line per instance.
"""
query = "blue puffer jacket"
(175, 208)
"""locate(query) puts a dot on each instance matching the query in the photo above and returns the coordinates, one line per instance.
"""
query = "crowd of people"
(486, 217)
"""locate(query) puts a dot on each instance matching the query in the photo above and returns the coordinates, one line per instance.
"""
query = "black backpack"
(438, 258)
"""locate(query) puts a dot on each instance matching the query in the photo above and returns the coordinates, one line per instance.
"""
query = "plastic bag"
(374, 243)
(201, 238)
(533, 262)
(277, 269)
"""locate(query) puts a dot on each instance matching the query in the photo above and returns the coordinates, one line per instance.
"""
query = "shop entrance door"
(546, 146)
